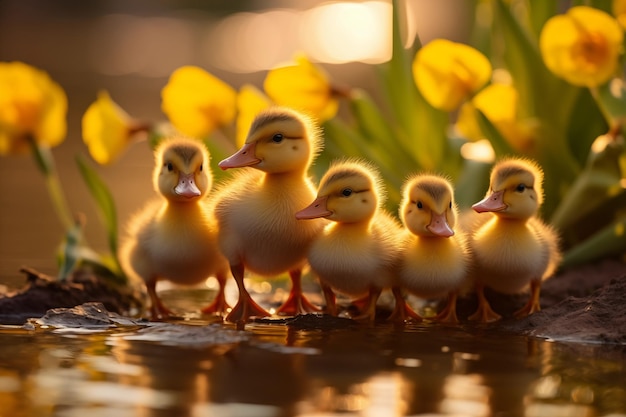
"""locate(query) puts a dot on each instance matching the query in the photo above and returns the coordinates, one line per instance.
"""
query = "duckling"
(175, 238)
(435, 258)
(256, 209)
(513, 249)
(358, 253)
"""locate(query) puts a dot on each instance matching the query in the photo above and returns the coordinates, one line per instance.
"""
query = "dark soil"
(586, 304)
(42, 293)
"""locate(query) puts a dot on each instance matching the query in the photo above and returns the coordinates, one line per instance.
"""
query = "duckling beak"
(187, 186)
(493, 202)
(315, 210)
(439, 226)
(244, 157)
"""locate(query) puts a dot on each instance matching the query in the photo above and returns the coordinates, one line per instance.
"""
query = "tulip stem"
(45, 162)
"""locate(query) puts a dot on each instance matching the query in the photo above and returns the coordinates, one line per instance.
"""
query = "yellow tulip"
(303, 86)
(582, 46)
(197, 102)
(107, 129)
(499, 103)
(619, 11)
(250, 101)
(32, 107)
(448, 73)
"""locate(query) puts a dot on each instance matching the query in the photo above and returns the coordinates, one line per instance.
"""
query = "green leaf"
(541, 94)
(69, 256)
(611, 240)
(104, 203)
(612, 100)
(586, 123)
(499, 144)
(379, 135)
(539, 13)
(597, 183)
(421, 128)
(472, 183)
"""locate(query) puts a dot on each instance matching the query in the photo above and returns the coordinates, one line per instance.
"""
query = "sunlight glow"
(336, 32)
(465, 395)
(384, 394)
(247, 42)
(343, 32)
(480, 151)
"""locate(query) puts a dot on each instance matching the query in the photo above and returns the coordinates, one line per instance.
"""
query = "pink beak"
(315, 210)
(187, 187)
(244, 157)
(492, 202)
(439, 226)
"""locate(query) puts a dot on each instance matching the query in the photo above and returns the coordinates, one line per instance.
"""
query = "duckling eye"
(200, 167)
(450, 205)
(277, 138)
(520, 188)
(346, 192)
(420, 205)
(170, 167)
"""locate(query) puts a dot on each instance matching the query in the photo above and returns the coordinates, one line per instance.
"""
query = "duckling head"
(427, 208)
(349, 192)
(181, 171)
(515, 190)
(280, 140)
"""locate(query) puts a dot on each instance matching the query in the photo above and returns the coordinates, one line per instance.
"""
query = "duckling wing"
(550, 240)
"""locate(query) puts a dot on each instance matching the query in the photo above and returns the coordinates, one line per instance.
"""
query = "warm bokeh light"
(343, 32)
(248, 42)
(480, 151)
(336, 32)
(466, 395)
(124, 44)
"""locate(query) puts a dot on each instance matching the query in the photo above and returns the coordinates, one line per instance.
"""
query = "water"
(194, 369)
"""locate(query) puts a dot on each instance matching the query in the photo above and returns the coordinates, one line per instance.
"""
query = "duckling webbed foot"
(246, 307)
(296, 303)
(448, 314)
(218, 305)
(158, 310)
(484, 313)
(402, 311)
(533, 305)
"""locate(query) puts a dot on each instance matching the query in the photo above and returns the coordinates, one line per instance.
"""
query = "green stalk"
(45, 162)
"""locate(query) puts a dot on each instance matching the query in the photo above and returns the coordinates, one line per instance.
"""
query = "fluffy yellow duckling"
(435, 258)
(256, 210)
(175, 238)
(358, 252)
(513, 249)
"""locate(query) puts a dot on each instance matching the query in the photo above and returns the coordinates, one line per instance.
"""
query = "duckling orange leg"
(157, 308)
(484, 313)
(246, 307)
(448, 314)
(402, 310)
(533, 305)
(370, 310)
(296, 303)
(331, 300)
(219, 304)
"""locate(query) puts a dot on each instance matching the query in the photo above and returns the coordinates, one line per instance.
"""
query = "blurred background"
(130, 48)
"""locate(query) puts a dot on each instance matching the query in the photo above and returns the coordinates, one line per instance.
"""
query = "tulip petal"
(447, 73)
(582, 46)
(197, 102)
(106, 129)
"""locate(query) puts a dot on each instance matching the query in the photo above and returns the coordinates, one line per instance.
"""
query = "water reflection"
(277, 370)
